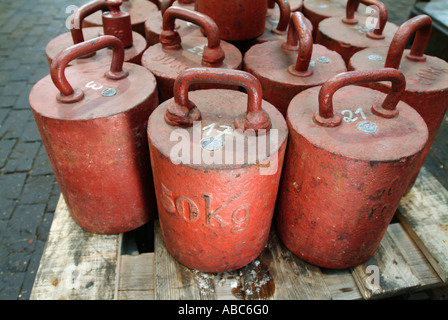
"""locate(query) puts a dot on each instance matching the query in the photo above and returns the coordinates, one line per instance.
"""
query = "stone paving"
(28, 190)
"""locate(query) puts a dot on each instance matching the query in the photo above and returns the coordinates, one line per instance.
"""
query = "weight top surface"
(218, 107)
(428, 76)
(366, 137)
(138, 86)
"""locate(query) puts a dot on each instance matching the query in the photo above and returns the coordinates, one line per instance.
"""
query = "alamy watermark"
(223, 145)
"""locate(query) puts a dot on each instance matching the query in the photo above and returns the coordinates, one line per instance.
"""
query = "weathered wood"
(294, 278)
(275, 274)
(76, 265)
(386, 273)
(341, 284)
(423, 212)
(419, 265)
(136, 280)
(173, 281)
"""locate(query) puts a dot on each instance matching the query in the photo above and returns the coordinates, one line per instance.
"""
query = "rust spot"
(55, 282)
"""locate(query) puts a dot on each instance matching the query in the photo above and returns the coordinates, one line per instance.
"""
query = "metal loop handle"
(57, 71)
(79, 16)
(300, 33)
(421, 25)
(352, 6)
(387, 109)
(182, 112)
(213, 55)
(285, 13)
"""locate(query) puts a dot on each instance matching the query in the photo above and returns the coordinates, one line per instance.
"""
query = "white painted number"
(94, 86)
(350, 118)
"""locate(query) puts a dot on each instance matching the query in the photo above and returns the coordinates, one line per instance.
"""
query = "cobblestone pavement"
(28, 190)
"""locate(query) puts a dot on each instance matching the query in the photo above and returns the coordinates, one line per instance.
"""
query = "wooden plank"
(423, 212)
(386, 273)
(136, 281)
(341, 284)
(172, 281)
(294, 278)
(76, 264)
(275, 274)
(420, 266)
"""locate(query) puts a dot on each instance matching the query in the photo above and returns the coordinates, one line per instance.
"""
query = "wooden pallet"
(412, 257)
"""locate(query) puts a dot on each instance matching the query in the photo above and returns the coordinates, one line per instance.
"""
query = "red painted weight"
(427, 76)
(295, 5)
(350, 154)
(167, 59)
(348, 35)
(238, 20)
(139, 10)
(318, 10)
(117, 23)
(287, 67)
(186, 4)
(216, 216)
(94, 132)
(154, 27)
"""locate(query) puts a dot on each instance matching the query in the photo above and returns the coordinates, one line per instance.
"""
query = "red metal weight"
(167, 59)
(426, 76)
(154, 27)
(116, 23)
(139, 10)
(92, 119)
(186, 4)
(285, 68)
(348, 35)
(216, 215)
(318, 10)
(350, 154)
(295, 5)
(238, 20)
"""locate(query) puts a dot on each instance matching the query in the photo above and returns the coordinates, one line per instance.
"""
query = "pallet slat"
(136, 281)
(76, 265)
(423, 212)
(81, 265)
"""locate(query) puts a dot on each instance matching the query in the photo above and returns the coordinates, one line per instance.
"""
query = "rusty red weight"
(427, 76)
(238, 20)
(287, 67)
(350, 155)
(154, 27)
(92, 119)
(167, 59)
(139, 10)
(215, 216)
(186, 4)
(346, 35)
(295, 5)
(318, 10)
(117, 24)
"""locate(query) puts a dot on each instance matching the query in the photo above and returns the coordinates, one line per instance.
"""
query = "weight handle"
(57, 70)
(213, 55)
(79, 16)
(421, 25)
(182, 112)
(387, 109)
(352, 6)
(285, 13)
(299, 33)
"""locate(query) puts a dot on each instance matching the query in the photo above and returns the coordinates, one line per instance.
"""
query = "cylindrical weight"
(92, 119)
(216, 215)
(350, 156)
